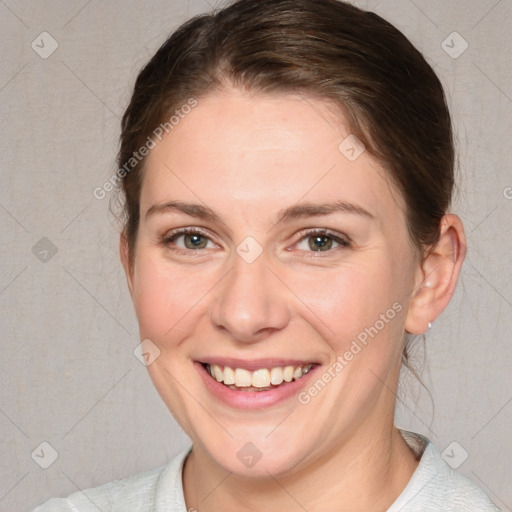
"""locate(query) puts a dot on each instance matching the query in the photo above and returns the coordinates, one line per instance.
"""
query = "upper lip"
(255, 364)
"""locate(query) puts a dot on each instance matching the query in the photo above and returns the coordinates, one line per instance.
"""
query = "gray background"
(68, 373)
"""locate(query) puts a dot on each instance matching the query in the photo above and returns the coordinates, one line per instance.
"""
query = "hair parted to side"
(389, 95)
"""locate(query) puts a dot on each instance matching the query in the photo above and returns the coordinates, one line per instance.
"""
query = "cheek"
(342, 302)
(361, 307)
(166, 299)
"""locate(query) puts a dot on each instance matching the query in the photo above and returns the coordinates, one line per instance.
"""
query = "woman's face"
(297, 254)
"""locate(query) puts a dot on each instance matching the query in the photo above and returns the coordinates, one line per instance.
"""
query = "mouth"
(261, 379)
(254, 384)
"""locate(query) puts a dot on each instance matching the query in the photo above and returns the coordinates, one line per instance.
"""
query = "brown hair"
(392, 99)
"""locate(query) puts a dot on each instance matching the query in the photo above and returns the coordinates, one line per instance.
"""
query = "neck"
(366, 472)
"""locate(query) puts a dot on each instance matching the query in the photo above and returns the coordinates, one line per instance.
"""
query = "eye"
(321, 240)
(187, 239)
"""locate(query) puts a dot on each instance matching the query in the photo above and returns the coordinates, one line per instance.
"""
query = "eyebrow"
(302, 210)
(191, 209)
(298, 211)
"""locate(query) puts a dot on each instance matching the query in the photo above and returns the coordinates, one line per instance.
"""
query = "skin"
(247, 157)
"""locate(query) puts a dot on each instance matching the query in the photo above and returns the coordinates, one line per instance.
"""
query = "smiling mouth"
(262, 379)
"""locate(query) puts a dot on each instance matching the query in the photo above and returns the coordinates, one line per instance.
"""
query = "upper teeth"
(260, 378)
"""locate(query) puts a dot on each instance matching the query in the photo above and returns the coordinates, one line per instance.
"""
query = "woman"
(287, 167)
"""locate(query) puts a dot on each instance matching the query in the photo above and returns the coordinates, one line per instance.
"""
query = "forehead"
(264, 152)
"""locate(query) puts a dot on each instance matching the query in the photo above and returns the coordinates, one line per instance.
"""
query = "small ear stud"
(429, 325)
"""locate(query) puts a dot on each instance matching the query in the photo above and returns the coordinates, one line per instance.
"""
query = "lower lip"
(252, 399)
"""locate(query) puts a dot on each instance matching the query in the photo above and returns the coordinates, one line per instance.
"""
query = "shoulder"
(135, 492)
(140, 493)
(436, 486)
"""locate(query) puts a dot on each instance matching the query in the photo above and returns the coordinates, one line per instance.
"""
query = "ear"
(437, 276)
(124, 253)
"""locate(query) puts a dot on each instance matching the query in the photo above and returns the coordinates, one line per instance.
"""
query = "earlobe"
(124, 253)
(419, 314)
(437, 276)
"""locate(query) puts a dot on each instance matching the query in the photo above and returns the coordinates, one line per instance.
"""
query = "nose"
(251, 302)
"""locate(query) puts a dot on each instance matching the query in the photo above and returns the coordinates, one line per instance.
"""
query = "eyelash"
(171, 237)
(344, 243)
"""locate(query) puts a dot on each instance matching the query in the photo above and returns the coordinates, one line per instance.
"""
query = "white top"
(434, 486)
